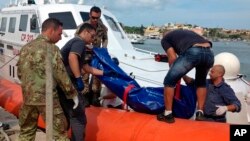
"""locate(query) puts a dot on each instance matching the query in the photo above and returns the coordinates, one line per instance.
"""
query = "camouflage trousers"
(93, 85)
(28, 118)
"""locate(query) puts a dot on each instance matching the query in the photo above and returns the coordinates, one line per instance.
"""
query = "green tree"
(134, 29)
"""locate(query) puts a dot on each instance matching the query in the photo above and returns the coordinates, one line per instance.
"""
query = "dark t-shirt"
(181, 40)
(77, 46)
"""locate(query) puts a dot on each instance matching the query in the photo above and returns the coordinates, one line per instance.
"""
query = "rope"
(242, 79)
(125, 96)
(178, 90)
(145, 79)
(8, 62)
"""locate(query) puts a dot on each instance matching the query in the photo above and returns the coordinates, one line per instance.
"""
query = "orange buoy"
(105, 124)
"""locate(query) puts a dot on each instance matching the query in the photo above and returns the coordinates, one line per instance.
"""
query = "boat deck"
(14, 130)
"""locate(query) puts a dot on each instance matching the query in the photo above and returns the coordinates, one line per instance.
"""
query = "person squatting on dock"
(32, 74)
(73, 53)
(93, 88)
(194, 51)
(220, 96)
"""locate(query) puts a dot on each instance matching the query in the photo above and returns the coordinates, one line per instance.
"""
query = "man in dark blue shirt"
(220, 96)
(193, 51)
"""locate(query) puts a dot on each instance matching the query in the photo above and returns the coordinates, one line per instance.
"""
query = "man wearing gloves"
(220, 96)
(32, 73)
(73, 54)
(92, 90)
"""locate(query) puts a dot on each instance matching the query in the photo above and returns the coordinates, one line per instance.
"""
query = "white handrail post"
(49, 97)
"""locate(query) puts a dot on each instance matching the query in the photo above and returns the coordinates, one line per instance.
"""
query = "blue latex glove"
(79, 84)
(110, 73)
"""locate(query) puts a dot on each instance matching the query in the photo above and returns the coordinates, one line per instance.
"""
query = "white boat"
(136, 38)
(21, 23)
(153, 36)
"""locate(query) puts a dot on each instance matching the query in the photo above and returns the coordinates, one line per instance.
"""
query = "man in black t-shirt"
(73, 54)
(194, 51)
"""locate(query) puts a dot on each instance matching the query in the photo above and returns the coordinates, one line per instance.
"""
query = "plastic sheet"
(141, 99)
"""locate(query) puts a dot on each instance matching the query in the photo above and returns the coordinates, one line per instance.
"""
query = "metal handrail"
(145, 51)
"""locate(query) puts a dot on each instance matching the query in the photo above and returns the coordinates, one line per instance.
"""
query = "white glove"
(76, 101)
(221, 110)
(89, 46)
(100, 98)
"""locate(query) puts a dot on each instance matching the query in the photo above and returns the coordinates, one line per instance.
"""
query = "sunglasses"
(95, 18)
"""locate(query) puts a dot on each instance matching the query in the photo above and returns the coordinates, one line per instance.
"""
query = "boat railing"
(145, 51)
(241, 77)
(157, 83)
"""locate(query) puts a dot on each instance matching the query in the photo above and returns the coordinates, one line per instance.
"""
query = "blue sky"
(230, 14)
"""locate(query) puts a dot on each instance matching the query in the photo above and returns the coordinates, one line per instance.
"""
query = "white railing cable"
(8, 61)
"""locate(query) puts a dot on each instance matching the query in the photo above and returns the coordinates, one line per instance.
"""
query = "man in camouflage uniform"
(100, 40)
(32, 73)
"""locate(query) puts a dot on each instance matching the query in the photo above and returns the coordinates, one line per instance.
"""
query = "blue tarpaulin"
(141, 99)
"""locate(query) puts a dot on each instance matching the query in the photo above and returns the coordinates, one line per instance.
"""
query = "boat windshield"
(3, 24)
(85, 16)
(112, 23)
(66, 18)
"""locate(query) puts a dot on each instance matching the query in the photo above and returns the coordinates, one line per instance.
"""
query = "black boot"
(95, 100)
(86, 100)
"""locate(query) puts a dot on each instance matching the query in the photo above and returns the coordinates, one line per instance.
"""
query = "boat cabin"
(21, 23)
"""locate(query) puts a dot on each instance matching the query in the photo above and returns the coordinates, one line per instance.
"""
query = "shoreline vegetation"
(214, 34)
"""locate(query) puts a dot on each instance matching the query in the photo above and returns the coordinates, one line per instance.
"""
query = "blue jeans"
(200, 58)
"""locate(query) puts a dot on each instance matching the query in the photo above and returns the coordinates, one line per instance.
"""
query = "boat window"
(66, 18)
(3, 24)
(112, 23)
(85, 16)
(1, 48)
(9, 47)
(23, 23)
(1, 51)
(34, 27)
(12, 24)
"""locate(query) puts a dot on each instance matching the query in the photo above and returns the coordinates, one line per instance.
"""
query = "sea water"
(239, 48)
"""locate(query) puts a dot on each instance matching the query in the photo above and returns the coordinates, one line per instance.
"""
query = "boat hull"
(110, 124)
